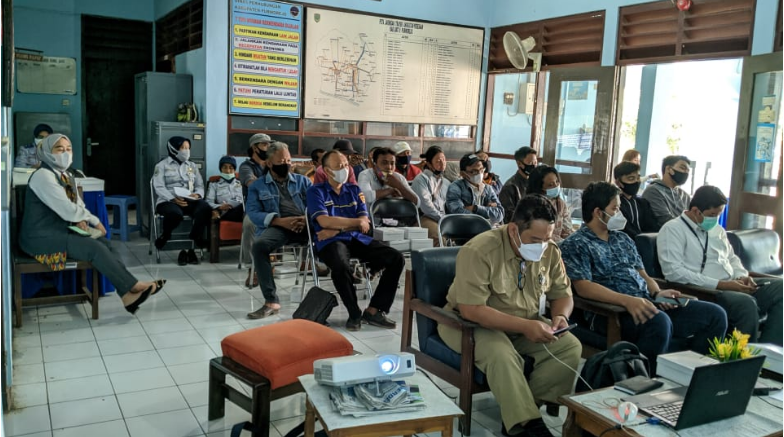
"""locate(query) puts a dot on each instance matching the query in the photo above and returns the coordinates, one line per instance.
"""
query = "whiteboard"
(371, 68)
(50, 76)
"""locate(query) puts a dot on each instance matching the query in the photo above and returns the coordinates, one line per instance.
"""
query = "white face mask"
(62, 160)
(184, 154)
(476, 179)
(616, 223)
(531, 252)
(38, 141)
(340, 176)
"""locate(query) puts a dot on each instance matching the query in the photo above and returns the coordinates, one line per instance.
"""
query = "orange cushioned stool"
(269, 359)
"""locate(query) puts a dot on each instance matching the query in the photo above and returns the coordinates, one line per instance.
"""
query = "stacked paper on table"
(679, 366)
(388, 234)
(415, 233)
(371, 399)
(417, 244)
(400, 245)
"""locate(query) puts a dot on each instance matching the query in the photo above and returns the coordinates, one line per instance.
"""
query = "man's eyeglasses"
(521, 276)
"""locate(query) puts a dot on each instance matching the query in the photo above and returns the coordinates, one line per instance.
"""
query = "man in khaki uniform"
(503, 278)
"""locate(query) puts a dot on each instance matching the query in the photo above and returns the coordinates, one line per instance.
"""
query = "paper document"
(181, 192)
(92, 232)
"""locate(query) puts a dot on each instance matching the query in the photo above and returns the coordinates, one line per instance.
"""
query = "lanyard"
(704, 248)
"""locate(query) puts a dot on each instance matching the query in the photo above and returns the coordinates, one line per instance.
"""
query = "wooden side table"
(438, 415)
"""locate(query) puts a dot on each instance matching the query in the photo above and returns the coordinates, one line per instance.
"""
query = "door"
(755, 194)
(113, 51)
(579, 129)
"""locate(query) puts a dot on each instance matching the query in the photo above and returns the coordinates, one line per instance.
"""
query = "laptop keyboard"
(669, 412)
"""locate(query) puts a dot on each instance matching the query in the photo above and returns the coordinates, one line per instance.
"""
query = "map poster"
(265, 55)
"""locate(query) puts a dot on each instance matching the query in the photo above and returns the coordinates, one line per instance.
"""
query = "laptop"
(716, 392)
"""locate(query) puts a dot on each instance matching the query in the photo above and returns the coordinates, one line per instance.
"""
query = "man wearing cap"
(516, 187)
(431, 187)
(250, 170)
(470, 195)
(346, 149)
(403, 161)
(27, 158)
(225, 194)
(382, 181)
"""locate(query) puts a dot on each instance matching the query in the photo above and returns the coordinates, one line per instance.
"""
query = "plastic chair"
(460, 228)
(121, 204)
(394, 208)
(223, 233)
(179, 234)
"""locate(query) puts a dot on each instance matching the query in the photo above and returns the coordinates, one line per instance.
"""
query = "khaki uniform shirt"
(487, 272)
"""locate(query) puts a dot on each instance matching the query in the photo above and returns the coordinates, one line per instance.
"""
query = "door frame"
(742, 201)
(604, 122)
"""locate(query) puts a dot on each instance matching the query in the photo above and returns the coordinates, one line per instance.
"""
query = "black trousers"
(173, 214)
(337, 257)
(233, 215)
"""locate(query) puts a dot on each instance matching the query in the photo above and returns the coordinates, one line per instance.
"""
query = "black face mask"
(528, 168)
(402, 161)
(282, 170)
(631, 189)
(262, 154)
(679, 177)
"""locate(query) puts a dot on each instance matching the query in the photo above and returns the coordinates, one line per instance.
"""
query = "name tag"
(542, 304)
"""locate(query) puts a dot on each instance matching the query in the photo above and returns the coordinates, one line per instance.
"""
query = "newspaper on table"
(373, 398)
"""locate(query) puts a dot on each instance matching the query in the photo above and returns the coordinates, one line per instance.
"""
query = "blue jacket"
(264, 198)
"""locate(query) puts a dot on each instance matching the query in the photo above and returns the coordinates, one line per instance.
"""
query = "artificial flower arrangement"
(733, 347)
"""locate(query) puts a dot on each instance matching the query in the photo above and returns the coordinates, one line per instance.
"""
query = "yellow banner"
(253, 79)
(278, 105)
(275, 58)
(261, 32)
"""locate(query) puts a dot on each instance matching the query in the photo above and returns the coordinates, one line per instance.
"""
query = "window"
(178, 32)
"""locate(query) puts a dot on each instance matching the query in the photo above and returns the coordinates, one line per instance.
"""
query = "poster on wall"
(265, 58)
(763, 152)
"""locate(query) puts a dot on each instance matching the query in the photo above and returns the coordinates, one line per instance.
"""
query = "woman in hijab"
(56, 226)
(179, 189)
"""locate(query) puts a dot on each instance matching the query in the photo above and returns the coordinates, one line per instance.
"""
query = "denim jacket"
(460, 193)
(264, 198)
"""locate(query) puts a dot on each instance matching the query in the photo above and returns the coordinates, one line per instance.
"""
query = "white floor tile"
(29, 395)
(233, 416)
(151, 401)
(288, 407)
(153, 327)
(115, 428)
(72, 351)
(220, 332)
(125, 345)
(179, 339)
(221, 318)
(186, 355)
(80, 388)
(200, 309)
(109, 332)
(132, 362)
(171, 424)
(28, 373)
(84, 412)
(140, 380)
(74, 369)
(49, 325)
(27, 420)
(27, 341)
(28, 355)
(190, 373)
(49, 434)
(195, 394)
(66, 337)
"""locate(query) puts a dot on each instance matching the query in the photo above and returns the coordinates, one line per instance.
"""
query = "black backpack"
(621, 361)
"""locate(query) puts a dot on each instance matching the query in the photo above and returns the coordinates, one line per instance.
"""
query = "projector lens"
(388, 364)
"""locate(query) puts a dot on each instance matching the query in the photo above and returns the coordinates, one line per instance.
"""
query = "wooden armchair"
(605, 332)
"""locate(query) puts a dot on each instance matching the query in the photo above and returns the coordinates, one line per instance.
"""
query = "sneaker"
(182, 258)
(192, 258)
(354, 324)
(379, 319)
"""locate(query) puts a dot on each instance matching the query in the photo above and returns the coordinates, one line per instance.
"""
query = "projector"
(360, 369)
(773, 353)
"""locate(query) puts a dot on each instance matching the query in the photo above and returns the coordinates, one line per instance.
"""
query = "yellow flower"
(745, 353)
(721, 351)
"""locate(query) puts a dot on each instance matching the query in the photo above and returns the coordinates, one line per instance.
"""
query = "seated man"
(340, 221)
(276, 206)
(502, 280)
(403, 166)
(516, 187)
(693, 250)
(347, 150)
(225, 194)
(381, 181)
(431, 187)
(639, 218)
(666, 197)
(604, 265)
(470, 195)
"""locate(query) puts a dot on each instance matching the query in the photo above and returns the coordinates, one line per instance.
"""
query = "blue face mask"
(553, 192)
(709, 223)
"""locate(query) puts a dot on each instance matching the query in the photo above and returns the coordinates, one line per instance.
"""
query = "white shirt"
(680, 254)
(46, 186)
(368, 182)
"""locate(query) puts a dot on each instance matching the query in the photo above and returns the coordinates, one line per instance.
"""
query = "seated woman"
(225, 195)
(173, 178)
(52, 206)
(545, 180)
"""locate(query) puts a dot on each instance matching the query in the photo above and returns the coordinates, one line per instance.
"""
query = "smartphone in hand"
(565, 329)
(677, 301)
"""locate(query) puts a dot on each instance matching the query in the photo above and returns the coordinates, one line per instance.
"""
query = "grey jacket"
(222, 191)
(666, 203)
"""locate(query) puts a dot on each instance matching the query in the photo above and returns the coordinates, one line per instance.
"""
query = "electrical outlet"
(66, 102)
(508, 98)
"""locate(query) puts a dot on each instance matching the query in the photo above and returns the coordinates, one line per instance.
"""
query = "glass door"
(756, 190)
(579, 129)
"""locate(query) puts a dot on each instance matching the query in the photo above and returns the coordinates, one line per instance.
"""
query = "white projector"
(359, 369)
(773, 356)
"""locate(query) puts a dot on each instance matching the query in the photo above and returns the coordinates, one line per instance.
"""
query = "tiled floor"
(146, 375)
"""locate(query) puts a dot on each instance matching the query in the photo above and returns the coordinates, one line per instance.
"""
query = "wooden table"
(439, 415)
(584, 414)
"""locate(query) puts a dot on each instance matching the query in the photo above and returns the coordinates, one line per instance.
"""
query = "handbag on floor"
(316, 306)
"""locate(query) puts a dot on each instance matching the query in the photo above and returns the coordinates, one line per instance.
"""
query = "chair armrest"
(601, 308)
(763, 275)
(441, 315)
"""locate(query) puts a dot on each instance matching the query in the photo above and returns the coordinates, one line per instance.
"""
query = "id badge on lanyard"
(190, 179)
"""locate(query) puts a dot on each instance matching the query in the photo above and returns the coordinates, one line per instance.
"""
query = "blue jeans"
(697, 323)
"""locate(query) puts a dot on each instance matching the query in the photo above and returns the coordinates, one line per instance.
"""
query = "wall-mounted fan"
(519, 51)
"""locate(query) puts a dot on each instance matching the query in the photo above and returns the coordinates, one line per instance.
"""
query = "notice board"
(50, 76)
